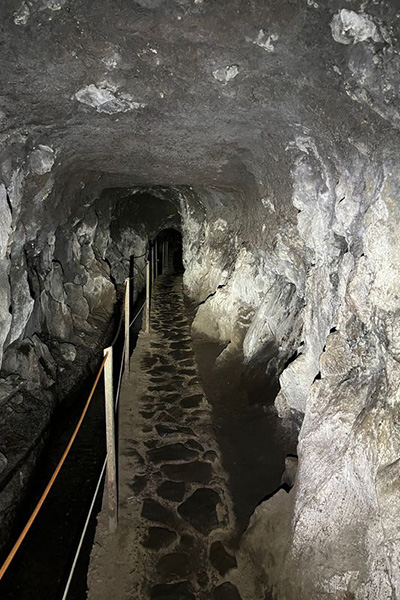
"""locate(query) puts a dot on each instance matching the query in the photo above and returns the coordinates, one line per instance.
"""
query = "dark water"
(251, 437)
(41, 567)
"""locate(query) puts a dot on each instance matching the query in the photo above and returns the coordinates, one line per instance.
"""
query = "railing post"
(110, 440)
(148, 299)
(152, 262)
(127, 312)
(132, 278)
(156, 257)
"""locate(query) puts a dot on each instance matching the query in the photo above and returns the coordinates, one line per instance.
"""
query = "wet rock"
(187, 541)
(159, 537)
(196, 472)
(189, 372)
(193, 381)
(203, 579)
(169, 387)
(174, 566)
(221, 559)
(200, 510)
(226, 591)
(166, 430)
(182, 355)
(166, 417)
(186, 362)
(172, 452)
(194, 444)
(175, 413)
(31, 358)
(139, 483)
(172, 490)
(174, 591)
(210, 455)
(180, 346)
(154, 511)
(164, 369)
(147, 414)
(149, 361)
(191, 401)
(171, 398)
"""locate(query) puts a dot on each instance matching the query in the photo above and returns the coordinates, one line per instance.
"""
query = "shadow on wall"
(253, 441)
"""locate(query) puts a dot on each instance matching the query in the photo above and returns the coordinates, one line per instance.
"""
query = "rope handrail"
(137, 314)
(71, 573)
(78, 550)
(63, 458)
(43, 497)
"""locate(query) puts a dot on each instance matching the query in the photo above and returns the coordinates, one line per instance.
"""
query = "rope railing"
(111, 406)
(43, 497)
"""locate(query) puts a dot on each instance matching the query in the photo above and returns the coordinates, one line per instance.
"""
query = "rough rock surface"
(272, 128)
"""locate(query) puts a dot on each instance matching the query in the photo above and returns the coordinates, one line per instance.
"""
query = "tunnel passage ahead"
(176, 521)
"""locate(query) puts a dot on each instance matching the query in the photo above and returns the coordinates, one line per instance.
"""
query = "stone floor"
(176, 519)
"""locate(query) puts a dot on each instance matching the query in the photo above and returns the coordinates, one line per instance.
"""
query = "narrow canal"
(42, 565)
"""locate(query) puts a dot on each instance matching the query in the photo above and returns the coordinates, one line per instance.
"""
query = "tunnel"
(221, 181)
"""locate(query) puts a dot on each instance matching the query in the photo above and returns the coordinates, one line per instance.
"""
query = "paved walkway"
(175, 512)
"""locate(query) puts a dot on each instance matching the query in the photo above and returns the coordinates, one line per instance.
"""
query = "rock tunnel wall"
(60, 285)
(327, 296)
(276, 139)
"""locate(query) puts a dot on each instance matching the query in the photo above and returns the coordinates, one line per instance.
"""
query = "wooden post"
(110, 439)
(132, 278)
(127, 311)
(153, 271)
(166, 255)
(156, 258)
(148, 301)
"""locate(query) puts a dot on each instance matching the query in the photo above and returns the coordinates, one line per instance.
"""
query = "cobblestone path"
(175, 512)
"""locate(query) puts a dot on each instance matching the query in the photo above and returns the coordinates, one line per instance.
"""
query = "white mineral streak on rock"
(41, 160)
(226, 74)
(3, 462)
(54, 4)
(268, 204)
(15, 191)
(265, 41)
(350, 27)
(105, 100)
(5, 231)
(112, 60)
(22, 301)
(21, 15)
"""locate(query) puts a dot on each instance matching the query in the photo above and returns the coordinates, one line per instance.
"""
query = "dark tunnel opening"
(173, 239)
